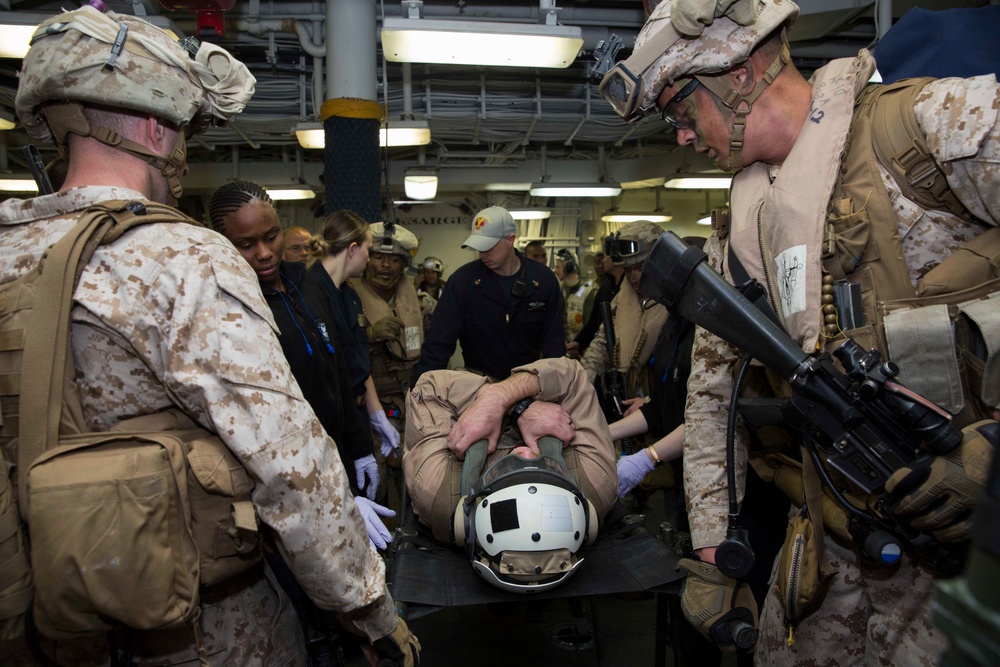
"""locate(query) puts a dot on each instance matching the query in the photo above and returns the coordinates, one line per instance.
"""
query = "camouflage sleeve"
(710, 386)
(198, 321)
(595, 358)
(959, 120)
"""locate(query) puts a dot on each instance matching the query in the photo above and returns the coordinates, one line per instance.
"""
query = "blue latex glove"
(388, 433)
(367, 475)
(631, 470)
(370, 512)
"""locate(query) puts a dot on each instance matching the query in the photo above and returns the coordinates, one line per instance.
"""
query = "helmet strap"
(742, 105)
(69, 118)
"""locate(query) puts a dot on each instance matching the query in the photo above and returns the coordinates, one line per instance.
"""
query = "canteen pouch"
(800, 580)
(111, 535)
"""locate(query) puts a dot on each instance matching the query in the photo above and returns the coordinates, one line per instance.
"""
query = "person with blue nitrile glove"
(387, 432)
(370, 512)
(366, 469)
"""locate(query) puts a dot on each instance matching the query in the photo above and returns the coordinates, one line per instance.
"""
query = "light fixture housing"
(628, 216)
(396, 133)
(420, 184)
(529, 213)
(15, 183)
(16, 29)
(720, 182)
(575, 190)
(408, 40)
(290, 193)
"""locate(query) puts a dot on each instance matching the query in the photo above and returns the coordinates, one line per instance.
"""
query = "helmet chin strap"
(742, 105)
(69, 117)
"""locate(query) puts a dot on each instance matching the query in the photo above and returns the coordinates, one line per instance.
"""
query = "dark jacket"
(302, 314)
(606, 292)
(670, 366)
(497, 331)
(347, 315)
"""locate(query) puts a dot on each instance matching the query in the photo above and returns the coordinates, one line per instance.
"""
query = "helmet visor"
(515, 468)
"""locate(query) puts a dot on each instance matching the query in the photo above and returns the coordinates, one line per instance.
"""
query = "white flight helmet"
(524, 520)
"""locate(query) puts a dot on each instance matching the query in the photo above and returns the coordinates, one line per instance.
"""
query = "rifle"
(614, 382)
(866, 424)
(37, 167)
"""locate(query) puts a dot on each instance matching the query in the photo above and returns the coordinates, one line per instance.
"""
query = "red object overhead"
(210, 14)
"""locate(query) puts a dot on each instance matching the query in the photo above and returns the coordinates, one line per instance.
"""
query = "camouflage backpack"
(114, 528)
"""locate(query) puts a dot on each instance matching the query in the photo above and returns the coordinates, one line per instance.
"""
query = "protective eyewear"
(618, 248)
(675, 115)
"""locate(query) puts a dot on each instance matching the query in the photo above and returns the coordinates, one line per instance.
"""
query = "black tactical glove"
(722, 609)
(938, 494)
(400, 648)
(387, 328)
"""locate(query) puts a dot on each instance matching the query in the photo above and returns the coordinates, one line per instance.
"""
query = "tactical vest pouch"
(15, 573)
(111, 535)
(223, 520)
(800, 583)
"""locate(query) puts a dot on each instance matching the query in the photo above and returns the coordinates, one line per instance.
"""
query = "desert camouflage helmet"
(722, 43)
(86, 57)
(634, 242)
(403, 241)
(72, 59)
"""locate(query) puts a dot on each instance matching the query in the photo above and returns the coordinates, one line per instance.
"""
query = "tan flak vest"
(575, 303)
(845, 227)
(636, 330)
(393, 362)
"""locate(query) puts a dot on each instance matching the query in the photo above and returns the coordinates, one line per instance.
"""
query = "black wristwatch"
(519, 409)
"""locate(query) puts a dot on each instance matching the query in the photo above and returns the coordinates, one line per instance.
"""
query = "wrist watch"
(519, 409)
(657, 461)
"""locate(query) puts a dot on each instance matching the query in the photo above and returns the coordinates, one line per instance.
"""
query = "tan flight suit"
(440, 397)
(869, 616)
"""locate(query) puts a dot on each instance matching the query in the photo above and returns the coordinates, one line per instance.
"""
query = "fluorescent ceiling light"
(575, 190)
(406, 40)
(287, 194)
(707, 220)
(399, 133)
(507, 187)
(16, 29)
(18, 185)
(420, 185)
(529, 214)
(617, 216)
(699, 183)
(6, 120)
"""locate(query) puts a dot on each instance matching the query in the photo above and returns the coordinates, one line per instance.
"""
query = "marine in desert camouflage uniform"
(793, 137)
(171, 315)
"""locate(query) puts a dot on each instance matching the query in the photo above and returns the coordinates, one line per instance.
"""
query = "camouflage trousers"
(246, 621)
(870, 616)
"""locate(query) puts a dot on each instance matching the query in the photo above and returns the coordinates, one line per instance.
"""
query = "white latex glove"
(367, 475)
(388, 433)
(370, 512)
(631, 470)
